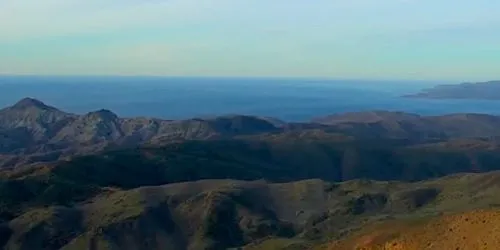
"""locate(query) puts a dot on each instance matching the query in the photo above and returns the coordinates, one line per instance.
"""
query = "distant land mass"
(478, 91)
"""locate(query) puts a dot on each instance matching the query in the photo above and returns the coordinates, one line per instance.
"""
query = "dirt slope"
(473, 230)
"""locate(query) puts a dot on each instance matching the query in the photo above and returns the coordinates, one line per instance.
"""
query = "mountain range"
(98, 181)
(43, 133)
(31, 131)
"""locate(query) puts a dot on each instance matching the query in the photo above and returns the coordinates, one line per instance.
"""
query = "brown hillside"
(54, 212)
(478, 229)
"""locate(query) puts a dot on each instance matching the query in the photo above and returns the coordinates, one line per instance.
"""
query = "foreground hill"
(220, 214)
(481, 91)
(477, 229)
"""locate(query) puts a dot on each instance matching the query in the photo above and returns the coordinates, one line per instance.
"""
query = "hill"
(383, 124)
(477, 229)
(481, 91)
(281, 157)
(220, 214)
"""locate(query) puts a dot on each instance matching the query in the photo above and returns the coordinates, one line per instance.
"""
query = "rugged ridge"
(31, 128)
(32, 132)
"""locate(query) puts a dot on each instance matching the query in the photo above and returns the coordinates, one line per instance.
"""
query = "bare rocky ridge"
(32, 132)
(32, 129)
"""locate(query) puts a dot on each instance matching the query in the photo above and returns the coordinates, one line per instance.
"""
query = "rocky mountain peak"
(28, 102)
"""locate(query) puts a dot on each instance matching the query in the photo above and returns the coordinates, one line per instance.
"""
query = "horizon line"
(308, 78)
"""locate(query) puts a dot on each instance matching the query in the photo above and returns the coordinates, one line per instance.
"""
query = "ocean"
(179, 98)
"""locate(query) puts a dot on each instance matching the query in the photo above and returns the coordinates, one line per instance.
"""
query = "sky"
(379, 39)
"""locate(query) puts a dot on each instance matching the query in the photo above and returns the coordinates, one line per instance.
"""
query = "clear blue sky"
(410, 39)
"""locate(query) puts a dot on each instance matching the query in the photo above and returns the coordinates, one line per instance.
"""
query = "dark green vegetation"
(275, 161)
(101, 182)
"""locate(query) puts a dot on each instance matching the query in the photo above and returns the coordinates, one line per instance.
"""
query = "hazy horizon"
(222, 77)
(364, 39)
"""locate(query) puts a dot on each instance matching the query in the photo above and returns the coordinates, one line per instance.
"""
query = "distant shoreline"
(472, 91)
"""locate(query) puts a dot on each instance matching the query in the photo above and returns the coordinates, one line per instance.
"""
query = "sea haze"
(177, 98)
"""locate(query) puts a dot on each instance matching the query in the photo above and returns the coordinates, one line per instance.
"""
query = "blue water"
(176, 98)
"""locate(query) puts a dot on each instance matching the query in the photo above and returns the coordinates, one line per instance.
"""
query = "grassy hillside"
(219, 214)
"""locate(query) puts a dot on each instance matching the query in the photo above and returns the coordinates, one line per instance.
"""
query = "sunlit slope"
(472, 230)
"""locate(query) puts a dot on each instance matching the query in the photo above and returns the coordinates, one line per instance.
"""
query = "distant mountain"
(30, 127)
(32, 132)
(480, 91)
